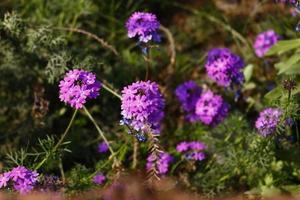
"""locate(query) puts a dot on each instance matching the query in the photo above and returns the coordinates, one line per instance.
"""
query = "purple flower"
(198, 156)
(192, 150)
(24, 179)
(102, 147)
(182, 146)
(18, 173)
(289, 122)
(211, 108)
(161, 164)
(99, 179)
(264, 41)
(144, 26)
(188, 94)
(142, 106)
(268, 120)
(197, 146)
(77, 87)
(23, 186)
(4, 179)
(224, 67)
(293, 2)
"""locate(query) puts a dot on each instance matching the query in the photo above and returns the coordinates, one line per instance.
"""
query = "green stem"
(111, 91)
(66, 131)
(99, 130)
(176, 165)
(59, 142)
(148, 64)
(61, 169)
(135, 153)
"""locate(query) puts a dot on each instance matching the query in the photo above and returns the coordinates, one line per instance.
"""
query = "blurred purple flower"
(289, 122)
(4, 179)
(264, 41)
(268, 120)
(192, 150)
(99, 179)
(77, 87)
(161, 164)
(211, 108)
(198, 156)
(224, 67)
(142, 106)
(18, 173)
(144, 26)
(102, 147)
(24, 179)
(188, 94)
(287, 1)
(182, 146)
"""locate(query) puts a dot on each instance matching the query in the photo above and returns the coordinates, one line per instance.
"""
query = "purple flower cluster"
(77, 87)
(211, 108)
(192, 150)
(23, 179)
(144, 26)
(99, 179)
(268, 120)
(264, 41)
(142, 106)
(102, 147)
(293, 2)
(161, 164)
(188, 94)
(224, 67)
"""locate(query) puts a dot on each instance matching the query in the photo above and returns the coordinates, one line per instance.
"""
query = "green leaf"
(276, 93)
(283, 46)
(288, 62)
(248, 71)
(290, 70)
(249, 86)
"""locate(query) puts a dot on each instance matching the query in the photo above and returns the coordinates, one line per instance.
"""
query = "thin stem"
(66, 131)
(176, 165)
(99, 130)
(172, 48)
(59, 142)
(61, 169)
(91, 35)
(148, 65)
(111, 91)
(135, 152)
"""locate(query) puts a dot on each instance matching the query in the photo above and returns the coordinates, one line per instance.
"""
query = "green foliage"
(79, 178)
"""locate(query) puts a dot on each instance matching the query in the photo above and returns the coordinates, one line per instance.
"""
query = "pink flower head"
(143, 106)
(77, 87)
(268, 120)
(224, 67)
(144, 26)
(211, 108)
(264, 41)
(99, 179)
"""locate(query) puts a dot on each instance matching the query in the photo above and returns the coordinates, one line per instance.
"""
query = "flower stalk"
(58, 143)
